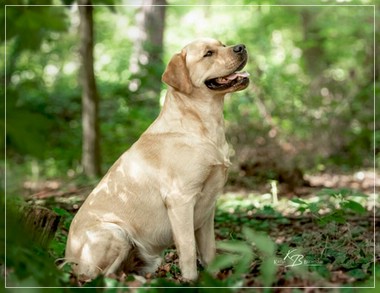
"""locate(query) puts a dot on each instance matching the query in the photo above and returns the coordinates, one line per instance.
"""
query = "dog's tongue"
(237, 74)
(232, 76)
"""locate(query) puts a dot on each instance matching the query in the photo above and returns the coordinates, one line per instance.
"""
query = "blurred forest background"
(310, 104)
(309, 108)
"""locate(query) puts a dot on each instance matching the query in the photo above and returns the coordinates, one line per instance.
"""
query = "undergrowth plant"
(239, 255)
(333, 205)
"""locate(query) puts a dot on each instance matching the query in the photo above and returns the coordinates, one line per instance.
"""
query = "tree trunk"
(146, 58)
(90, 99)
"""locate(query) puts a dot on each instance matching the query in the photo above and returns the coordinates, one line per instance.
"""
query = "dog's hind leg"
(99, 250)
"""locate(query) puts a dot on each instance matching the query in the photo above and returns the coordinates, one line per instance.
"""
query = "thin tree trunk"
(148, 43)
(90, 99)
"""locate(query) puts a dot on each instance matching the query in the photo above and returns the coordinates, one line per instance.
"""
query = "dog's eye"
(209, 53)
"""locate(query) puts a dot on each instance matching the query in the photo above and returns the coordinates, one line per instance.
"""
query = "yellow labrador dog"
(164, 188)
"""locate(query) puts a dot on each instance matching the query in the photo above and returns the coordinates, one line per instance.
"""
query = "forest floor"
(323, 237)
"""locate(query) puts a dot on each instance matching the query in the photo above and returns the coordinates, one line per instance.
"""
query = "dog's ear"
(177, 75)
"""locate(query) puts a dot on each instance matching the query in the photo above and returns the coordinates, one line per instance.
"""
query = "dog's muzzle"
(235, 79)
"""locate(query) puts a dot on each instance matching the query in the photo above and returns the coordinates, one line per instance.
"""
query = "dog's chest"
(217, 176)
(206, 199)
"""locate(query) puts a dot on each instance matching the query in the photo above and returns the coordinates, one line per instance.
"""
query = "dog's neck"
(192, 114)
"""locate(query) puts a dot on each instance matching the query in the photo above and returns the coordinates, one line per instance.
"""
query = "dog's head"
(208, 64)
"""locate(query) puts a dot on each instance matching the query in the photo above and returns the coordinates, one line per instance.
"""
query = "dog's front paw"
(189, 276)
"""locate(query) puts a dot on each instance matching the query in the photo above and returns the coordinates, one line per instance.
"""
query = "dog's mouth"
(235, 79)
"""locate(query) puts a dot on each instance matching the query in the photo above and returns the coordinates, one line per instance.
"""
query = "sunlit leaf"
(354, 206)
(299, 201)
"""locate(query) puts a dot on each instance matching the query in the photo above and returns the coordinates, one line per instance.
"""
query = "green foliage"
(43, 94)
(26, 129)
(304, 103)
(336, 201)
(245, 256)
(58, 244)
(267, 249)
(31, 264)
(239, 255)
(28, 27)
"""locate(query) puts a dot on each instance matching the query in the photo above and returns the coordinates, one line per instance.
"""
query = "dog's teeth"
(222, 80)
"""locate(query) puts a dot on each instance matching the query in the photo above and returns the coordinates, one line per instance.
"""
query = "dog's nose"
(239, 48)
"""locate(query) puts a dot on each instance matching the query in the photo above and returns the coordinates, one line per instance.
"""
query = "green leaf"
(334, 217)
(321, 270)
(354, 206)
(109, 282)
(223, 261)
(57, 247)
(301, 209)
(263, 242)
(333, 192)
(340, 192)
(357, 273)
(243, 265)
(268, 271)
(314, 208)
(235, 246)
(299, 201)
(61, 212)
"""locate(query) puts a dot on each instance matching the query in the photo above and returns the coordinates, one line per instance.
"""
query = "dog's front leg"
(182, 222)
(205, 238)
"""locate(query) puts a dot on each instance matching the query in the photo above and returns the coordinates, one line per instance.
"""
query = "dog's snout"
(239, 48)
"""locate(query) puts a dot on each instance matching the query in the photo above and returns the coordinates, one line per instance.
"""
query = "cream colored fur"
(164, 188)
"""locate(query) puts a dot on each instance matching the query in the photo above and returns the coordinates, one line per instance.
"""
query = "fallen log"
(41, 222)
